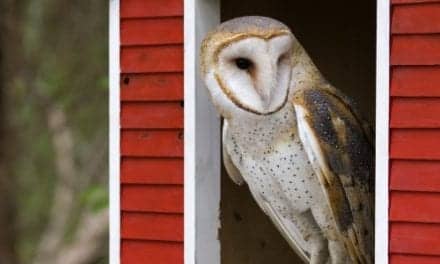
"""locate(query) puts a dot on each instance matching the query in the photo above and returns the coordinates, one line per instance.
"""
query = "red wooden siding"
(415, 112)
(152, 198)
(412, 259)
(152, 31)
(415, 238)
(152, 170)
(152, 143)
(415, 175)
(157, 252)
(397, 2)
(417, 49)
(415, 132)
(416, 19)
(142, 59)
(152, 87)
(151, 226)
(151, 131)
(152, 115)
(151, 8)
(416, 81)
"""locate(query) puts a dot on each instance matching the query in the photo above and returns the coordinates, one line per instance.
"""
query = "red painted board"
(416, 18)
(152, 143)
(411, 175)
(162, 227)
(151, 8)
(152, 115)
(413, 259)
(412, 1)
(415, 238)
(415, 81)
(415, 144)
(154, 252)
(152, 170)
(152, 87)
(152, 198)
(415, 50)
(152, 31)
(143, 59)
(415, 207)
(415, 113)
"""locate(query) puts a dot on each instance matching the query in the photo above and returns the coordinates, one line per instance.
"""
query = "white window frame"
(383, 21)
(202, 166)
(202, 138)
(114, 134)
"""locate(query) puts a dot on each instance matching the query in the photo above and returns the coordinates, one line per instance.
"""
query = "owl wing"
(340, 149)
(231, 169)
(288, 229)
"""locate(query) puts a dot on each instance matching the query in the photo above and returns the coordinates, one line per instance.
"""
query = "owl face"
(248, 70)
(255, 72)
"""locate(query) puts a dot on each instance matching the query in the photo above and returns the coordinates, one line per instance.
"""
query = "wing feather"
(339, 148)
(231, 169)
(288, 229)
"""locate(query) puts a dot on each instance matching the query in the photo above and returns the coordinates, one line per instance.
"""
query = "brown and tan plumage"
(336, 138)
(297, 143)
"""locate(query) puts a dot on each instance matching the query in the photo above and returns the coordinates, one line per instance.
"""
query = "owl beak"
(267, 85)
(265, 96)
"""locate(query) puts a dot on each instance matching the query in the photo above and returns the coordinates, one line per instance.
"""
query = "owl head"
(249, 63)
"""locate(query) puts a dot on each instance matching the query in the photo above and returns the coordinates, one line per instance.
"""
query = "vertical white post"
(202, 142)
(382, 130)
(114, 136)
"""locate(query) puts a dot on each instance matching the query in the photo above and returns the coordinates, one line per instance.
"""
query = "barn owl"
(294, 139)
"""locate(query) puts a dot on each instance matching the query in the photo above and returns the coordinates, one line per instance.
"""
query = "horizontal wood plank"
(415, 238)
(152, 171)
(152, 143)
(415, 81)
(397, 2)
(152, 198)
(415, 113)
(411, 175)
(152, 115)
(157, 252)
(415, 207)
(416, 18)
(415, 50)
(413, 259)
(421, 144)
(152, 87)
(152, 31)
(144, 59)
(151, 8)
(146, 226)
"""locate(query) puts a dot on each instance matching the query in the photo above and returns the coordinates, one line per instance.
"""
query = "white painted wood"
(382, 130)
(114, 136)
(202, 142)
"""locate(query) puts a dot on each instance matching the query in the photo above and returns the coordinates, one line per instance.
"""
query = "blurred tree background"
(53, 131)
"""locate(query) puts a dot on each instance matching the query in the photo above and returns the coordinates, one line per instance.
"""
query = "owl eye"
(243, 63)
(282, 58)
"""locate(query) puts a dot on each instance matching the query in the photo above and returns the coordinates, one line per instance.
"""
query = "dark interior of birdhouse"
(340, 37)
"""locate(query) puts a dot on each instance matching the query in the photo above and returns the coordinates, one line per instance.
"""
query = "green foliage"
(95, 197)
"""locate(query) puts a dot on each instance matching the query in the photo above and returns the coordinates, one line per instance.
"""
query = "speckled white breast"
(271, 158)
